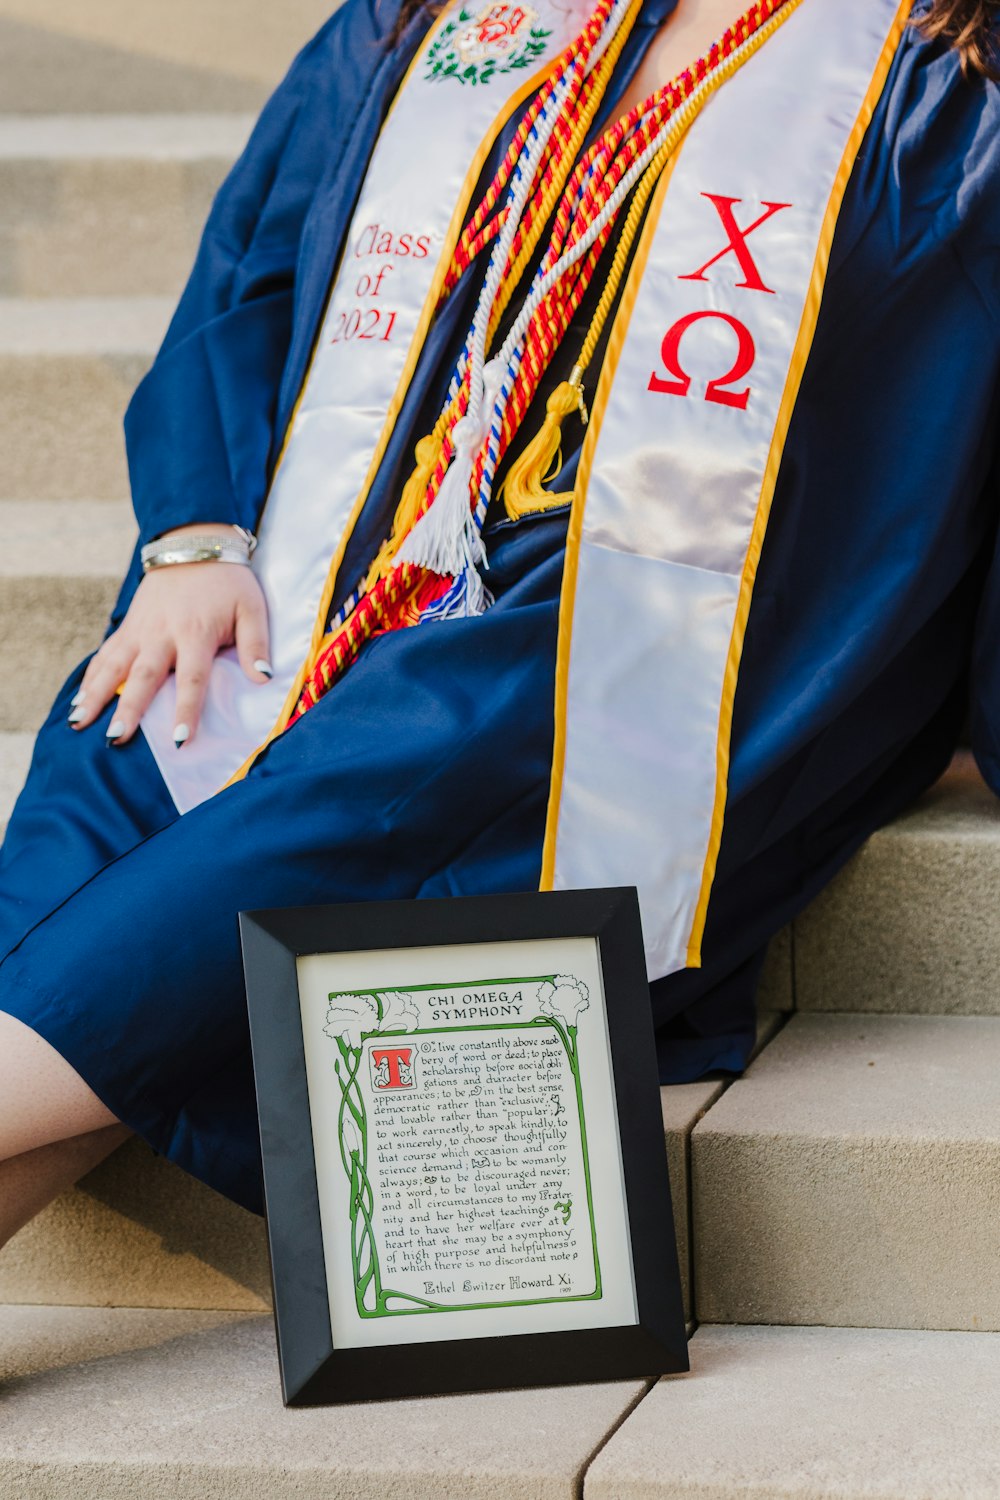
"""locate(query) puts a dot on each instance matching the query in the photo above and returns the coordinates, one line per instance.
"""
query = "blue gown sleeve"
(199, 430)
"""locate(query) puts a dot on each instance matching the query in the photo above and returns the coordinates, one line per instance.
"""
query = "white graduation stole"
(675, 482)
(474, 68)
(679, 466)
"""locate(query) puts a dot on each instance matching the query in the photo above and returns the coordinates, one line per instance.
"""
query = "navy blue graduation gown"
(875, 621)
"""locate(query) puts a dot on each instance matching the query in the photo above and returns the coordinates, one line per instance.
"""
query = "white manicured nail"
(264, 667)
(181, 734)
(116, 729)
(78, 698)
(76, 716)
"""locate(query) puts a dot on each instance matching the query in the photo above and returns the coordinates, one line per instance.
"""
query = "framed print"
(464, 1166)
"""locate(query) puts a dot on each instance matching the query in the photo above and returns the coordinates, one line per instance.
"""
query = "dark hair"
(407, 11)
(970, 27)
(967, 25)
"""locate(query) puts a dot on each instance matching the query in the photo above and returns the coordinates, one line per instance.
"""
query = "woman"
(816, 272)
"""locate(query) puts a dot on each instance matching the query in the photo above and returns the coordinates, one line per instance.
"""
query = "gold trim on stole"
(800, 355)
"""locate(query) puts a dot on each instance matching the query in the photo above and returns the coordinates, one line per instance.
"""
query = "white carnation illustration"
(398, 1012)
(350, 1136)
(350, 1016)
(563, 998)
(354, 1016)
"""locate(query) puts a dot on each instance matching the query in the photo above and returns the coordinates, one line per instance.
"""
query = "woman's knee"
(42, 1099)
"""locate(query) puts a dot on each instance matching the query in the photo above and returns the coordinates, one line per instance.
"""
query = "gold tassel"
(524, 488)
(427, 453)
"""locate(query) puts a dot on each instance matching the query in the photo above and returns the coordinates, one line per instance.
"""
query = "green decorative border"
(371, 1295)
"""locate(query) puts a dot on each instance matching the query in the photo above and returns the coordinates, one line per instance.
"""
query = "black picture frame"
(313, 1370)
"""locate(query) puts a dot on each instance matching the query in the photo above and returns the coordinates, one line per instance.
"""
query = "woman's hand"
(181, 617)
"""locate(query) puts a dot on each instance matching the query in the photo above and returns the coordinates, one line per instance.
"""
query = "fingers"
(195, 655)
(253, 638)
(179, 619)
(141, 674)
(145, 677)
(107, 669)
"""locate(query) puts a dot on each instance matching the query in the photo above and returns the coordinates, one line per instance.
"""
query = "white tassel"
(446, 539)
(441, 540)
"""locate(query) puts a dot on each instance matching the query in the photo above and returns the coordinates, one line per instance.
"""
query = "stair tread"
(15, 754)
(108, 206)
(60, 327)
(186, 1404)
(960, 805)
(808, 1413)
(183, 1404)
(126, 137)
(65, 538)
(910, 924)
(114, 56)
(870, 1077)
(849, 1178)
(138, 1232)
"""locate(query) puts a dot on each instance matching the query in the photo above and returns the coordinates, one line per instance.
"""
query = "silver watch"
(168, 550)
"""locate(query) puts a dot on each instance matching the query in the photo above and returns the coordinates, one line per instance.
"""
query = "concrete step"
(139, 56)
(814, 1414)
(60, 569)
(138, 1232)
(108, 206)
(67, 370)
(15, 755)
(852, 1178)
(682, 1106)
(186, 1406)
(911, 924)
